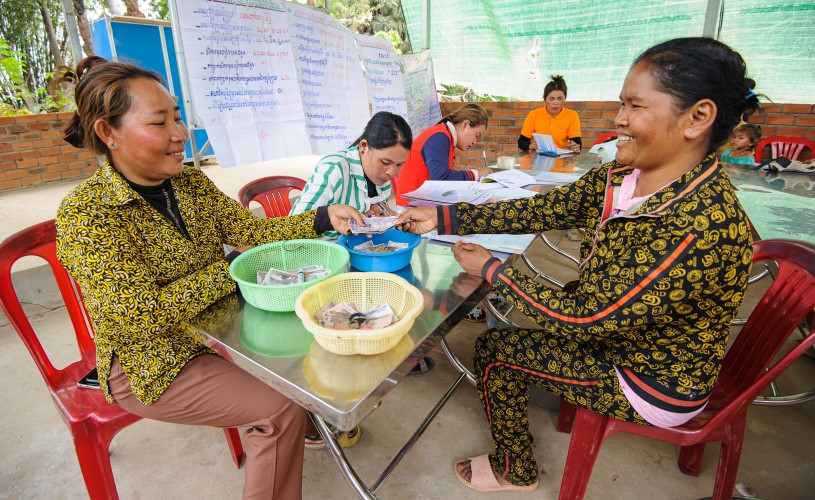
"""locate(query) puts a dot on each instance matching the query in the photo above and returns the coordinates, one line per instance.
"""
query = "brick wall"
(32, 152)
(506, 119)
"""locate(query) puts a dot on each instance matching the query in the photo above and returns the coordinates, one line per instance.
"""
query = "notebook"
(546, 146)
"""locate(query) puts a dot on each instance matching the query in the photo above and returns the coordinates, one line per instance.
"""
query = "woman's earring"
(112, 145)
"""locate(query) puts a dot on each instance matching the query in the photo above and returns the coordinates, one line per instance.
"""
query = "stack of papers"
(510, 178)
(546, 146)
(444, 193)
(501, 244)
(433, 193)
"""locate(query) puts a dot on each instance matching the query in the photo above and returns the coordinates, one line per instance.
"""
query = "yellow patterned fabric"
(142, 280)
(658, 288)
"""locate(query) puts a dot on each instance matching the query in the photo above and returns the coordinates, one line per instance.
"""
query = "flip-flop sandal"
(423, 366)
(482, 478)
(345, 439)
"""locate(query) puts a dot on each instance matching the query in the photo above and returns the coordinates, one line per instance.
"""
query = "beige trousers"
(211, 391)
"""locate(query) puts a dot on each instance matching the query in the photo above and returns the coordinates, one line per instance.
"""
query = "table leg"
(416, 435)
(348, 471)
(453, 359)
(342, 462)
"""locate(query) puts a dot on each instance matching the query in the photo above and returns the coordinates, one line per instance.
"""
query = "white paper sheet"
(504, 243)
(329, 72)
(420, 91)
(242, 79)
(386, 87)
(446, 192)
(509, 178)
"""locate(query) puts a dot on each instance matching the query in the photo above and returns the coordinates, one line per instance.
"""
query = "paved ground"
(154, 460)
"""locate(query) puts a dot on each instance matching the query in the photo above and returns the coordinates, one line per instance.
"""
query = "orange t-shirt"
(562, 127)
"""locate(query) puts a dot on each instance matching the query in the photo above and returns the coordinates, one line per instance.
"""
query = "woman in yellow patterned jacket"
(144, 239)
(642, 336)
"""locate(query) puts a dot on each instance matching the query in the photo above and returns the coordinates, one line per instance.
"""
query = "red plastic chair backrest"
(605, 137)
(788, 147)
(40, 241)
(789, 300)
(272, 193)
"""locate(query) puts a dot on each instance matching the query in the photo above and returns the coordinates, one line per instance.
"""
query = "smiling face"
(382, 165)
(650, 133)
(467, 136)
(149, 141)
(555, 102)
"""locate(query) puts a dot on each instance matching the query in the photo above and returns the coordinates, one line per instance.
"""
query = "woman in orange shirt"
(553, 119)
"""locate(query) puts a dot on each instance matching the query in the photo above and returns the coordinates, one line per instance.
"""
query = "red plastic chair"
(272, 193)
(744, 375)
(788, 147)
(92, 420)
(605, 137)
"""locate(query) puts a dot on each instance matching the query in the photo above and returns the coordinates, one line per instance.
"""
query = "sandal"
(346, 439)
(482, 477)
(423, 366)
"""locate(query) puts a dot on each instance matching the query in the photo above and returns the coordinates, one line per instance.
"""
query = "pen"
(383, 208)
(485, 157)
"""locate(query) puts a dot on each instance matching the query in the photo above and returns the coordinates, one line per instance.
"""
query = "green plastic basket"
(284, 255)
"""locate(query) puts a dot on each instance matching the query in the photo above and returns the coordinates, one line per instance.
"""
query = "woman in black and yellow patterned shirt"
(144, 239)
(642, 336)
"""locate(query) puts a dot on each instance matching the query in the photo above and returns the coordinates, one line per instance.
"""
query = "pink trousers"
(211, 391)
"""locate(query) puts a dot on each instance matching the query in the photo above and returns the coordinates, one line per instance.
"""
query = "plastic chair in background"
(272, 193)
(605, 137)
(788, 147)
(92, 420)
(747, 370)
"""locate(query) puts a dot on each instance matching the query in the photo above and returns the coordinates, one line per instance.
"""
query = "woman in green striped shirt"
(360, 176)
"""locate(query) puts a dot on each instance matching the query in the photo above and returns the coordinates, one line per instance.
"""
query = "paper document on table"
(511, 193)
(445, 192)
(556, 178)
(504, 243)
(546, 146)
(508, 178)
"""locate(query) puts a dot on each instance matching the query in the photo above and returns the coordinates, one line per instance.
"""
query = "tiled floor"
(154, 460)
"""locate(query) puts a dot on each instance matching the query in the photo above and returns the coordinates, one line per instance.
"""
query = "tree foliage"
(28, 55)
(380, 18)
(158, 9)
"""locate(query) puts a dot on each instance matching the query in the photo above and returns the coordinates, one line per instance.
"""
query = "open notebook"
(546, 146)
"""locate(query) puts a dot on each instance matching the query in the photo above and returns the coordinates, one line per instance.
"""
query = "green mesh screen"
(509, 48)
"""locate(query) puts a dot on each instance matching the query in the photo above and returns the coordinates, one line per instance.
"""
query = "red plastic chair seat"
(93, 421)
(272, 193)
(605, 137)
(744, 375)
(788, 147)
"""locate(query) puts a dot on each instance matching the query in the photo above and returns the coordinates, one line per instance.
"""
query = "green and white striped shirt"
(338, 178)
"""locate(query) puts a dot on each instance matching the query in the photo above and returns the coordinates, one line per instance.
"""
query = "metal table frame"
(342, 461)
(229, 333)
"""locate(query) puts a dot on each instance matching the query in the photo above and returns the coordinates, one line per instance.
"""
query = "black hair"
(696, 68)
(557, 83)
(385, 130)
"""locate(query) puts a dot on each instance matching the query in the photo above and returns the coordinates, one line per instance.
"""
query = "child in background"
(743, 144)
